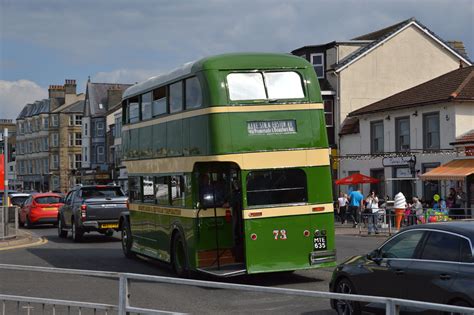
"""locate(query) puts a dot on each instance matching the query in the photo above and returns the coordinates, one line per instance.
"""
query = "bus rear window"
(265, 86)
(273, 187)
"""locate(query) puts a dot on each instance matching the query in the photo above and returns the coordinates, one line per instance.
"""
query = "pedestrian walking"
(342, 203)
(355, 201)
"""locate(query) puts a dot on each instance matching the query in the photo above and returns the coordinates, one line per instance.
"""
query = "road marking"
(41, 241)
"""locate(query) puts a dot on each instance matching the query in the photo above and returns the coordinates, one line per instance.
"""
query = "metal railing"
(8, 222)
(384, 220)
(392, 305)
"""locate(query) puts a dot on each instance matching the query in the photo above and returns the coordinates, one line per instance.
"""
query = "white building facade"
(420, 131)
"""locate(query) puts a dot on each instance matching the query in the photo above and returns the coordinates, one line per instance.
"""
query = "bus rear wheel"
(127, 240)
(179, 258)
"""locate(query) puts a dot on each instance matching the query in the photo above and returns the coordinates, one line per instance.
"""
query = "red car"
(40, 209)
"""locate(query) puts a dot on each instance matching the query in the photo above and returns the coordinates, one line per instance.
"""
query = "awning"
(454, 170)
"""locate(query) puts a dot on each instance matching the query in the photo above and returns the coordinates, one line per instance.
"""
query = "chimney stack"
(70, 86)
(114, 96)
(458, 46)
(56, 91)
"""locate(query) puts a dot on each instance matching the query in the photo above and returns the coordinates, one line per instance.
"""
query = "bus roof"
(237, 61)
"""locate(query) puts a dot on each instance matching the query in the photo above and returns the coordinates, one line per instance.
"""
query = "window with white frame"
(54, 120)
(100, 154)
(85, 154)
(77, 161)
(55, 161)
(85, 129)
(99, 128)
(376, 136)
(54, 139)
(317, 60)
(328, 113)
(78, 138)
(71, 139)
(71, 120)
(78, 120)
(45, 123)
(402, 134)
(431, 131)
(45, 166)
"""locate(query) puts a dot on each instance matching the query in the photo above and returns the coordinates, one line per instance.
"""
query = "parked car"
(41, 208)
(91, 208)
(431, 262)
(17, 198)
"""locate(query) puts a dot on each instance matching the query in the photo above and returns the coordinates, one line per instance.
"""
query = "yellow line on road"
(41, 241)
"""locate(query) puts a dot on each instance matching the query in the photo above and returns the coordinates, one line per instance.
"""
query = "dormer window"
(317, 60)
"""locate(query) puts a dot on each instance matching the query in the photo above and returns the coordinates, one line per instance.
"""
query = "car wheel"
(76, 232)
(179, 259)
(345, 307)
(127, 240)
(458, 303)
(61, 232)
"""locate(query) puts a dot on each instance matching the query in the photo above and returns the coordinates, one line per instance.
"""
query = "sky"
(44, 42)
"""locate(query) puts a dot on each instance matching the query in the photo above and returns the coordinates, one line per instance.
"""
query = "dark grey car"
(91, 208)
(430, 262)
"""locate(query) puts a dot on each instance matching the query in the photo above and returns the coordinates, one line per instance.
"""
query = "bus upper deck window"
(265, 86)
(193, 93)
(283, 85)
(246, 86)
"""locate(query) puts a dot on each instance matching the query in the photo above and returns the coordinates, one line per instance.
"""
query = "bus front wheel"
(179, 258)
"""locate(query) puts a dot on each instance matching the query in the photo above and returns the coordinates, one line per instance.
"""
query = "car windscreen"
(271, 187)
(47, 200)
(17, 201)
(101, 192)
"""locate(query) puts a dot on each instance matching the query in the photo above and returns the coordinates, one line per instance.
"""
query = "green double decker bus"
(228, 167)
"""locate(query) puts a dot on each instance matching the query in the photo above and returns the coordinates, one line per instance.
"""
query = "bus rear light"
(318, 209)
(306, 233)
(228, 216)
(253, 236)
(127, 204)
(255, 214)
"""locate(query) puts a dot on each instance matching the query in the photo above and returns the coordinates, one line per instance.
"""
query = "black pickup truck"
(91, 208)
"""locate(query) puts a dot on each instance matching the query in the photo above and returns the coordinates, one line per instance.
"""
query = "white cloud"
(14, 95)
(123, 76)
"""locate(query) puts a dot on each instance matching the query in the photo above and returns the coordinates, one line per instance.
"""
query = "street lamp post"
(411, 165)
(5, 166)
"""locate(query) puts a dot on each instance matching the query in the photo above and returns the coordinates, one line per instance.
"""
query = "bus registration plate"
(320, 243)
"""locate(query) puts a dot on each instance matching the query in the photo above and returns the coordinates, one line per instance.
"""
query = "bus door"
(220, 248)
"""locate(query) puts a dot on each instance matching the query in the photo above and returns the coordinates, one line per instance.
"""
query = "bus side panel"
(319, 184)
(281, 243)
(230, 132)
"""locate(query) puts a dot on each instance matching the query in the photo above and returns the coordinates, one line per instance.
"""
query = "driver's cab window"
(69, 198)
(402, 246)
